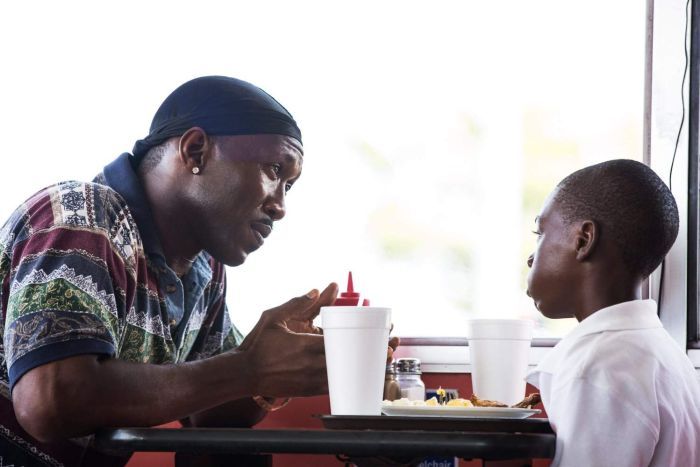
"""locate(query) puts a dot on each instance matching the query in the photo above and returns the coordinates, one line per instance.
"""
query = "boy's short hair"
(630, 203)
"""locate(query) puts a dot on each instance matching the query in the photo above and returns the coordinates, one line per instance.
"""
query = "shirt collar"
(626, 316)
(121, 177)
(635, 314)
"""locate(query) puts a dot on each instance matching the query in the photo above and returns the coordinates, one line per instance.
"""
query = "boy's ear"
(586, 239)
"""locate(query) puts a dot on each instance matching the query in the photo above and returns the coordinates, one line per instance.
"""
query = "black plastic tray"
(395, 422)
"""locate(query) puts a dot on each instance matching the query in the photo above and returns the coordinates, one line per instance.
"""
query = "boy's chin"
(553, 314)
(547, 311)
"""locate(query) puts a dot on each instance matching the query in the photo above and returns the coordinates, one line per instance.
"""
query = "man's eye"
(287, 187)
(537, 233)
(276, 168)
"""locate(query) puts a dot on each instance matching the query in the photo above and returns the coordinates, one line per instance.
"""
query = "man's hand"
(286, 352)
(304, 322)
(393, 343)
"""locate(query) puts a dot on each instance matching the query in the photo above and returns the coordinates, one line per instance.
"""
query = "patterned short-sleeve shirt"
(82, 272)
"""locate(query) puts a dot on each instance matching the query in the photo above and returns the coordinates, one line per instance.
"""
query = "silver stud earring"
(195, 170)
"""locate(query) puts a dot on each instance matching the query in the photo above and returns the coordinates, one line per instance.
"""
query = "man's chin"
(231, 258)
(234, 262)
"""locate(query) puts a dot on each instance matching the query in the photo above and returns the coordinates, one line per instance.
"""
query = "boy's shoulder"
(620, 362)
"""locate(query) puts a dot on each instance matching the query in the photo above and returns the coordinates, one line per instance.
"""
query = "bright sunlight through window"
(432, 130)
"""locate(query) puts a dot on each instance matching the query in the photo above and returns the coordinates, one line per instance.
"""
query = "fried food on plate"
(527, 403)
(485, 402)
(530, 401)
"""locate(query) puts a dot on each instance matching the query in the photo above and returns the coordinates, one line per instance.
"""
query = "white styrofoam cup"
(356, 340)
(499, 351)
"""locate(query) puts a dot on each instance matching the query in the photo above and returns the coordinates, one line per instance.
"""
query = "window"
(432, 132)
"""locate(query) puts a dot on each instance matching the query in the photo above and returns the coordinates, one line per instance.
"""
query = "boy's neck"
(605, 292)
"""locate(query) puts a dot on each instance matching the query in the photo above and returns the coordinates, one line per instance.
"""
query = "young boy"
(618, 390)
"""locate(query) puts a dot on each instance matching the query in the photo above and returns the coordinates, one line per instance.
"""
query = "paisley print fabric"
(82, 272)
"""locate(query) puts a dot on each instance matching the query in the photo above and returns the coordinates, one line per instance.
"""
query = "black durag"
(220, 106)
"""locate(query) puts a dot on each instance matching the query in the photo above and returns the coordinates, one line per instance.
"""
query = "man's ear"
(194, 148)
(587, 236)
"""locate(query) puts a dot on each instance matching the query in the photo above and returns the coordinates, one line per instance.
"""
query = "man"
(113, 291)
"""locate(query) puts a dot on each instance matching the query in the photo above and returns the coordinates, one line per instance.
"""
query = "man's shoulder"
(89, 210)
(73, 204)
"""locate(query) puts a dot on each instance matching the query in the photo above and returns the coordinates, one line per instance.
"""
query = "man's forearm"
(78, 395)
(240, 413)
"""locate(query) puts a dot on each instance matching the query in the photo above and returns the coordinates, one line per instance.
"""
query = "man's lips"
(262, 227)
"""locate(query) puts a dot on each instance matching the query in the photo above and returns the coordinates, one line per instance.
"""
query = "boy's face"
(551, 280)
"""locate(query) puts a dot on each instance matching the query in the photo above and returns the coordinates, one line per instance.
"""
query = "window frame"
(693, 316)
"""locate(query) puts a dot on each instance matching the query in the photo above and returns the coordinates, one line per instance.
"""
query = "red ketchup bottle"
(350, 297)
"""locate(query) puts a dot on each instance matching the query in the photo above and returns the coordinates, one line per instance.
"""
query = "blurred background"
(433, 131)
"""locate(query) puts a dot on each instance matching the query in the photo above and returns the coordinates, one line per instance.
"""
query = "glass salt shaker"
(408, 376)
(392, 391)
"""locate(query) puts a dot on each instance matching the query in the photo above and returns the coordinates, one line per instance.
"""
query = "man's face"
(242, 191)
(551, 282)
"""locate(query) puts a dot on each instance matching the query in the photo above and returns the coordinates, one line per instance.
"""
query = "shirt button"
(170, 288)
(173, 323)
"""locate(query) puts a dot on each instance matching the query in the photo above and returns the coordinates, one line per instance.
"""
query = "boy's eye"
(276, 168)
(537, 233)
(287, 187)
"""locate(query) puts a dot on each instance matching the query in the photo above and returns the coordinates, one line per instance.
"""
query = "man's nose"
(530, 259)
(274, 206)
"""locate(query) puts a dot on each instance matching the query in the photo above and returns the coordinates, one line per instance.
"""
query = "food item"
(398, 402)
(485, 402)
(527, 403)
(530, 401)
(459, 402)
(405, 402)
(474, 401)
(432, 402)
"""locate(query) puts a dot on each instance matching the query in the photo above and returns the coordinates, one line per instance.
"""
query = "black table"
(406, 439)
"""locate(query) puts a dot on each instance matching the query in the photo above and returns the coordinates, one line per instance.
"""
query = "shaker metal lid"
(409, 366)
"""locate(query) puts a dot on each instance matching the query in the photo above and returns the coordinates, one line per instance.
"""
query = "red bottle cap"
(350, 297)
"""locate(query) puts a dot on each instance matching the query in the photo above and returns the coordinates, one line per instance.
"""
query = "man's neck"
(171, 222)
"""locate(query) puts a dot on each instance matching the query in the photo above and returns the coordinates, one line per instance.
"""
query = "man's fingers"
(326, 299)
(279, 314)
(328, 295)
(292, 309)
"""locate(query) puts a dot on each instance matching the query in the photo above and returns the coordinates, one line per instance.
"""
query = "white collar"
(632, 315)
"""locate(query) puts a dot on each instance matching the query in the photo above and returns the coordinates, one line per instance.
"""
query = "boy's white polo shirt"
(619, 391)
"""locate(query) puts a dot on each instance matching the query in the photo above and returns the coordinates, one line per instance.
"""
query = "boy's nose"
(530, 259)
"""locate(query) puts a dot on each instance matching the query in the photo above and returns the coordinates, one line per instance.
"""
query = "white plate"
(444, 411)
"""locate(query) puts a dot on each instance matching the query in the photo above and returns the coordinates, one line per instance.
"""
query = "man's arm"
(239, 413)
(77, 395)
(246, 412)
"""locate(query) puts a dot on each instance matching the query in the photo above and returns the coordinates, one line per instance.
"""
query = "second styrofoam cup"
(499, 351)
(356, 340)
